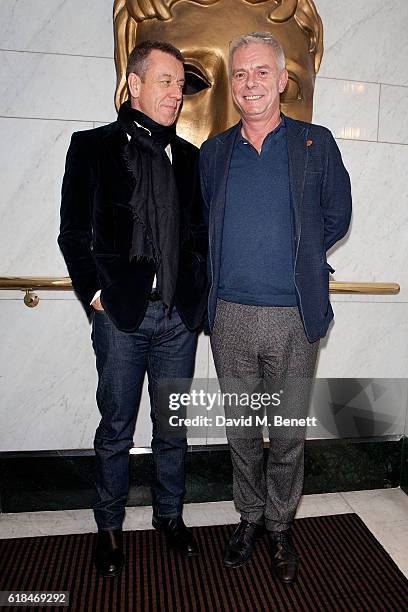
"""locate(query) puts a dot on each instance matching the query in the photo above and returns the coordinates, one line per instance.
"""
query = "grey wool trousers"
(258, 350)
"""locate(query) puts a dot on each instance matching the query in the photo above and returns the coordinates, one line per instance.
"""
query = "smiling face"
(256, 82)
(160, 92)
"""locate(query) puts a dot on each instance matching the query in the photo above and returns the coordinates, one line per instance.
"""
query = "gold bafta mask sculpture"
(202, 30)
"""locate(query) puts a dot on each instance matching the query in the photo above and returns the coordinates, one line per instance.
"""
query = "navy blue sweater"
(256, 256)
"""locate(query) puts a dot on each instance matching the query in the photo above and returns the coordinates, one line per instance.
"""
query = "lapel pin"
(309, 142)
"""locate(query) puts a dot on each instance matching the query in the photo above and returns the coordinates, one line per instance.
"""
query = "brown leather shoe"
(241, 544)
(285, 561)
(109, 558)
(178, 537)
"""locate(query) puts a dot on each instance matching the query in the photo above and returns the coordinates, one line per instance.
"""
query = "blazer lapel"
(115, 141)
(223, 154)
(222, 161)
(297, 157)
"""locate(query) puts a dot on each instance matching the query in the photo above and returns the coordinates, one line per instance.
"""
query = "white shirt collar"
(167, 149)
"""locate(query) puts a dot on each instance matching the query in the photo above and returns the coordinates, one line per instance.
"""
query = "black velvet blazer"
(96, 229)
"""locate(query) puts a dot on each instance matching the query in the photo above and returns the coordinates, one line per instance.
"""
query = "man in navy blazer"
(277, 197)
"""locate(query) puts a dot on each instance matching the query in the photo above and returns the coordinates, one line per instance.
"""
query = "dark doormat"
(343, 567)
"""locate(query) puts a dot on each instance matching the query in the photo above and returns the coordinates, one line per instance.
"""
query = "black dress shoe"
(285, 561)
(109, 558)
(241, 544)
(177, 535)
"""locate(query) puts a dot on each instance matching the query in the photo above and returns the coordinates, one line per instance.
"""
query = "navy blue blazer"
(321, 212)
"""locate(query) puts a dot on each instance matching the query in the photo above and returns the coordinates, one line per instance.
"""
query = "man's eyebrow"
(169, 76)
(254, 67)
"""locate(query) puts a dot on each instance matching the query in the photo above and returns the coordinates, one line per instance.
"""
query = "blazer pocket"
(105, 256)
(313, 177)
(125, 205)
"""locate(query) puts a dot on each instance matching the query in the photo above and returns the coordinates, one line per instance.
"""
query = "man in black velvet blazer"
(135, 246)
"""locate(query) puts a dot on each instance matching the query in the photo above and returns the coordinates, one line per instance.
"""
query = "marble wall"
(57, 76)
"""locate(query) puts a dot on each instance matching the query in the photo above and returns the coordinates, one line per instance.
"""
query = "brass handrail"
(364, 288)
(46, 283)
(63, 283)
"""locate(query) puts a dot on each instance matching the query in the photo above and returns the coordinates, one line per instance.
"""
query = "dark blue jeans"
(165, 349)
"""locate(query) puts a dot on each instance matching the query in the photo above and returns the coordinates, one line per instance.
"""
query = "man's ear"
(133, 82)
(283, 79)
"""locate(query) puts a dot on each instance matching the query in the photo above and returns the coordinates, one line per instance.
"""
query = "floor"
(384, 511)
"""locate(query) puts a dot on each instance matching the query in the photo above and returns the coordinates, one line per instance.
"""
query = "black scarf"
(154, 201)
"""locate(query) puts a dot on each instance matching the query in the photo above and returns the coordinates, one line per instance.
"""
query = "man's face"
(256, 82)
(160, 93)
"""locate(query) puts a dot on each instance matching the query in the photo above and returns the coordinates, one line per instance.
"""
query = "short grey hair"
(257, 37)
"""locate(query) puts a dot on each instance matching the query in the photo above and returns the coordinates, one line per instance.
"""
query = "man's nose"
(251, 81)
(176, 91)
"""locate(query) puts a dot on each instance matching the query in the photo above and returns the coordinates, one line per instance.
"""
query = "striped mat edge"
(343, 567)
